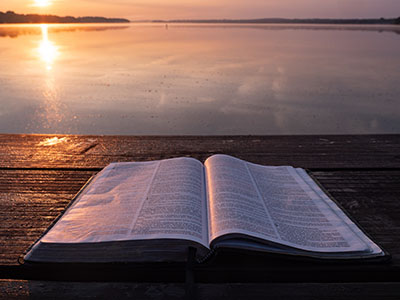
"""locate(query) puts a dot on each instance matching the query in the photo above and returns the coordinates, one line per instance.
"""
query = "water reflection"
(300, 27)
(15, 31)
(51, 112)
(199, 79)
(48, 51)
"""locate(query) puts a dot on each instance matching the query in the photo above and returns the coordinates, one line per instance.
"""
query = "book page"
(132, 201)
(275, 204)
(234, 204)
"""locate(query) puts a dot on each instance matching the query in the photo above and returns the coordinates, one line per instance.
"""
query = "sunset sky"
(189, 9)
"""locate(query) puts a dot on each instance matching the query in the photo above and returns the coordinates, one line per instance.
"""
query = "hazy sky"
(172, 9)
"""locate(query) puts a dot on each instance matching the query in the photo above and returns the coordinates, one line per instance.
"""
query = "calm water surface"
(199, 79)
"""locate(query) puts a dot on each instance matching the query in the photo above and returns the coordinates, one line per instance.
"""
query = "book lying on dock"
(154, 211)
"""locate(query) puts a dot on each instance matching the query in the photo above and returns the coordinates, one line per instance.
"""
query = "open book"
(152, 211)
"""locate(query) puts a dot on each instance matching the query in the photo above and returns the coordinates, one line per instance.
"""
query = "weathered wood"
(29, 202)
(362, 172)
(14, 289)
(27, 212)
(372, 199)
(43, 151)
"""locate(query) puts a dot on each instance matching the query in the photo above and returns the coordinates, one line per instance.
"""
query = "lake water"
(199, 79)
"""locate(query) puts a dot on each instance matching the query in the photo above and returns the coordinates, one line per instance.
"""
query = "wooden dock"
(39, 175)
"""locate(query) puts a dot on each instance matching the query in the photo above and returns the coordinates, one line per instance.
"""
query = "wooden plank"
(19, 289)
(374, 206)
(29, 202)
(37, 180)
(62, 151)
(371, 198)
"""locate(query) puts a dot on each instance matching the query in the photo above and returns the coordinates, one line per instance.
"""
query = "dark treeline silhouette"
(381, 21)
(13, 18)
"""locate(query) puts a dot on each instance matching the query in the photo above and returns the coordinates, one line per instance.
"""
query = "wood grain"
(37, 151)
(21, 289)
(37, 181)
(29, 202)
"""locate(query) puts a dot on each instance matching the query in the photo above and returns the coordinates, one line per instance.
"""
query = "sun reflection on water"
(48, 51)
(52, 112)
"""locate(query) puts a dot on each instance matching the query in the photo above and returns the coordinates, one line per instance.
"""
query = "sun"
(42, 3)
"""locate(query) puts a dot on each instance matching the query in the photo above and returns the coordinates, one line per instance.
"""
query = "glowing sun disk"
(42, 3)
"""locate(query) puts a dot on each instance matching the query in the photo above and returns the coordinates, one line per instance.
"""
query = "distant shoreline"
(11, 17)
(381, 21)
